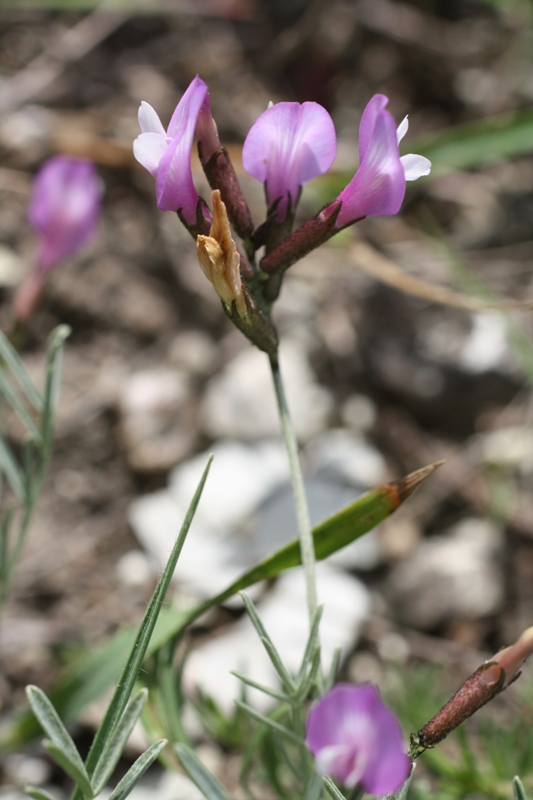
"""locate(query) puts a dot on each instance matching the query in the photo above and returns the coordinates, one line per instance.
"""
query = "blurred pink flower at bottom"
(357, 740)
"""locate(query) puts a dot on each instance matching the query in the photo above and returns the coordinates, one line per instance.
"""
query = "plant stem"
(300, 500)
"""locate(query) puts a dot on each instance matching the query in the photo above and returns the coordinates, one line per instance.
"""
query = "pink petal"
(378, 186)
(174, 184)
(356, 739)
(288, 145)
(188, 107)
(148, 149)
(367, 126)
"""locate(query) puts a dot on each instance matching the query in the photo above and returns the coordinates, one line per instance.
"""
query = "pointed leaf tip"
(404, 487)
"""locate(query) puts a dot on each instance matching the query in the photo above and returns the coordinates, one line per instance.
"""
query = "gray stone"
(240, 402)
(454, 576)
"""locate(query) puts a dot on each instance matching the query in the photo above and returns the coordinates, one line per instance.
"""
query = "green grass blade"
(138, 652)
(199, 774)
(136, 772)
(10, 357)
(118, 741)
(473, 144)
(61, 746)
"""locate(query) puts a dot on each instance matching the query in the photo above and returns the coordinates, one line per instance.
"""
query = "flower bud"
(483, 685)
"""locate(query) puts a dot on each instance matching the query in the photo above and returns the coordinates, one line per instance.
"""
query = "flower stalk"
(300, 500)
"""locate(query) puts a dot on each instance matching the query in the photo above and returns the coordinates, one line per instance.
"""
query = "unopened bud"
(512, 658)
(219, 259)
(483, 685)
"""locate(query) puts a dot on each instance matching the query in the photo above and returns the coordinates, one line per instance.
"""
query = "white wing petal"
(402, 129)
(415, 166)
(149, 121)
(148, 149)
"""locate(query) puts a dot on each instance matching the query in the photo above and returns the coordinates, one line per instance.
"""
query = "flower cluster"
(288, 145)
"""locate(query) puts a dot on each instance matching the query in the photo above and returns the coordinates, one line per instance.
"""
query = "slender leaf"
(311, 646)
(277, 695)
(331, 677)
(313, 789)
(61, 745)
(16, 403)
(9, 467)
(118, 741)
(37, 793)
(142, 641)
(519, 793)
(54, 359)
(199, 774)
(13, 363)
(270, 723)
(332, 789)
(136, 771)
(311, 678)
(273, 654)
(79, 776)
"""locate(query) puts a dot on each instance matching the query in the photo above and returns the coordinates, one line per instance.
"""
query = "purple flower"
(288, 145)
(378, 186)
(167, 154)
(357, 740)
(64, 208)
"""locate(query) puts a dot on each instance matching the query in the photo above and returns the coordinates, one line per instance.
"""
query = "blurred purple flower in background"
(288, 145)
(378, 186)
(167, 154)
(357, 740)
(64, 209)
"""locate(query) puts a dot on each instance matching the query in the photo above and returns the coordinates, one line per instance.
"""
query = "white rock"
(510, 447)
(486, 346)
(134, 569)
(12, 268)
(216, 550)
(240, 401)
(349, 456)
(284, 615)
(240, 478)
(450, 577)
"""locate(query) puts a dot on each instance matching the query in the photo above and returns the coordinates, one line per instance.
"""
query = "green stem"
(300, 500)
